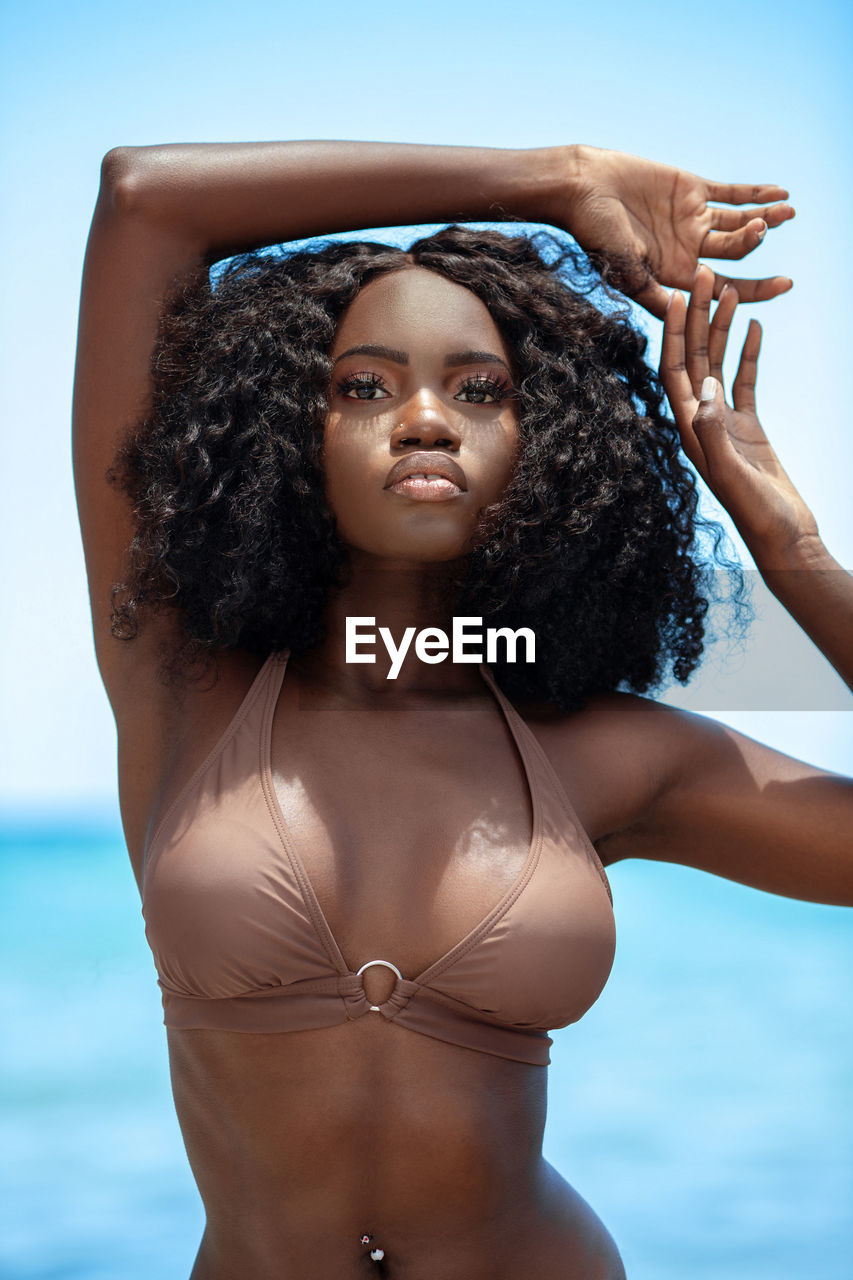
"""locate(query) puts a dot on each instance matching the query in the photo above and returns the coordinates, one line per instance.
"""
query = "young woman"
(370, 898)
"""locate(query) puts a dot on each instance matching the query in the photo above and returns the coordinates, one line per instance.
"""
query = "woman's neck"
(372, 626)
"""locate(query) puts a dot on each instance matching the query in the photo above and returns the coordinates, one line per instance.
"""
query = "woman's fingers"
(654, 298)
(734, 244)
(754, 290)
(710, 430)
(744, 192)
(696, 327)
(676, 380)
(743, 387)
(673, 370)
(719, 334)
(734, 233)
(733, 219)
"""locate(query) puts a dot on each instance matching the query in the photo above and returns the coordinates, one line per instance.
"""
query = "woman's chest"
(410, 827)
(433, 838)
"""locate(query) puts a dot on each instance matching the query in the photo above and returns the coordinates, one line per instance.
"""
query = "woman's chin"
(417, 542)
(409, 553)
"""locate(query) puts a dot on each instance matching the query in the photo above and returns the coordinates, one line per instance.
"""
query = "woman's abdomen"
(302, 1142)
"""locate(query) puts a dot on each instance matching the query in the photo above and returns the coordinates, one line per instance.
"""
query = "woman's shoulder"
(612, 756)
(610, 716)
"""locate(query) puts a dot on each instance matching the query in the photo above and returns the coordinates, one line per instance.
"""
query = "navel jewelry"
(376, 1254)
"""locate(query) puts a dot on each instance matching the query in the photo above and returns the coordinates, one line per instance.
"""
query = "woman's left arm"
(702, 794)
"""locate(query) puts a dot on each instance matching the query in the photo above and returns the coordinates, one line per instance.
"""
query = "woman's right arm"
(162, 210)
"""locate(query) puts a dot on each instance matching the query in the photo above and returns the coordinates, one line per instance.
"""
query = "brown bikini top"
(240, 942)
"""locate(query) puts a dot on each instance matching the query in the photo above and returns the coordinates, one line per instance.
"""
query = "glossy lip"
(435, 464)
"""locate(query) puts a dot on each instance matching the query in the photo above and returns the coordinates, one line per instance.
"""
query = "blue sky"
(739, 92)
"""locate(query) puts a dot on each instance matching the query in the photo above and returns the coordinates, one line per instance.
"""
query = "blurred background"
(703, 1105)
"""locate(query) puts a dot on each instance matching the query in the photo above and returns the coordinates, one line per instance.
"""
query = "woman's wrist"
(560, 178)
(806, 552)
(544, 184)
(818, 593)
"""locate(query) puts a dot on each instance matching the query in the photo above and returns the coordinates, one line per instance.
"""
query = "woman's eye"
(483, 391)
(367, 387)
(362, 386)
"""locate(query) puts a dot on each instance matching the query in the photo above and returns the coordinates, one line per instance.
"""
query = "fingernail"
(709, 390)
(763, 232)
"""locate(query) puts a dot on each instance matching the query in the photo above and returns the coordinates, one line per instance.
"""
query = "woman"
(369, 898)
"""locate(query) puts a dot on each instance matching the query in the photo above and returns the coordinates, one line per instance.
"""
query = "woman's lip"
(426, 463)
(436, 490)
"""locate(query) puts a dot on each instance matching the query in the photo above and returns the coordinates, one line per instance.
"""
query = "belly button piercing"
(376, 1254)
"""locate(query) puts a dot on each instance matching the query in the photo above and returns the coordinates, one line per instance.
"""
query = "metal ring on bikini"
(374, 1008)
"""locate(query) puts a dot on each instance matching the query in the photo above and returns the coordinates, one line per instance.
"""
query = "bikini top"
(240, 942)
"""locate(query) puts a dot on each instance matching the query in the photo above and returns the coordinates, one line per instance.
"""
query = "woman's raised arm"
(655, 218)
(164, 209)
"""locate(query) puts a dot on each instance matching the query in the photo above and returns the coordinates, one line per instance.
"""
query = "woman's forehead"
(415, 307)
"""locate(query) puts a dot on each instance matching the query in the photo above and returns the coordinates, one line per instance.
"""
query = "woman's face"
(421, 384)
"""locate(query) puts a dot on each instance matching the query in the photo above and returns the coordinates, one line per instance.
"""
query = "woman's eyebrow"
(475, 357)
(371, 349)
(402, 357)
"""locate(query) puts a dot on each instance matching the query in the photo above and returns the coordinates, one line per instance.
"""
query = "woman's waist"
(316, 1235)
(301, 1119)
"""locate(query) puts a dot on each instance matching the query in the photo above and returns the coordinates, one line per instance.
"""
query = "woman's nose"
(425, 422)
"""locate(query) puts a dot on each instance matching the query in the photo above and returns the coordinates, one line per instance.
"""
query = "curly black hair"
(593, 544)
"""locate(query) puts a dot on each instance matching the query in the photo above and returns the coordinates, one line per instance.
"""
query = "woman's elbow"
(122, 180)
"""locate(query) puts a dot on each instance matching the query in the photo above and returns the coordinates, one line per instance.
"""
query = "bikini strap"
(542, 769)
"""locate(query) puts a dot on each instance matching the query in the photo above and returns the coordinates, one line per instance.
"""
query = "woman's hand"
(727, 446)
(654, 222)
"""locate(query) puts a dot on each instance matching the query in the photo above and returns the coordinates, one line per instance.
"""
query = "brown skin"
(425, 404)
(302, 1141)
(324, 1137)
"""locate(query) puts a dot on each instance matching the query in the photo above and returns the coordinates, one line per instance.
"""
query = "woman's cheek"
(354, 494)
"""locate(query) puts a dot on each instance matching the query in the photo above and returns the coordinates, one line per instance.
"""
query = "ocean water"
(703, 1106)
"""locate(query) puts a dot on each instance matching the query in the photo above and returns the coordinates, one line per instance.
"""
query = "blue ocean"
(703, 1106)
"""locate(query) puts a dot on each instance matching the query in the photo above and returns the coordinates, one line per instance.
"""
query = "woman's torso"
(301, 1141)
